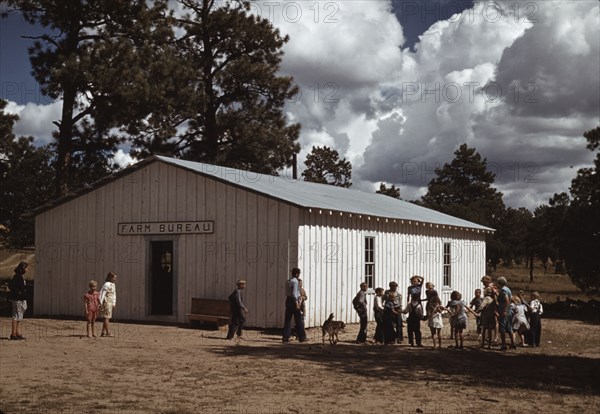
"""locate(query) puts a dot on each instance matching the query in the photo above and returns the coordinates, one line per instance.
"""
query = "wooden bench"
(210, 310)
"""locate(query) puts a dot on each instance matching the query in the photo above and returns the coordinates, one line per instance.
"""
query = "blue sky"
(396, 86)
(16, 82)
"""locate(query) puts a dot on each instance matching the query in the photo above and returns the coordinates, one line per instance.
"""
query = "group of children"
(507, 314)
(497, 311)
(100, 304)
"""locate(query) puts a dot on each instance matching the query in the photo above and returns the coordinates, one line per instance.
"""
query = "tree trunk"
(65, 143)
(531, 268)
(211, 136)
(64, 146)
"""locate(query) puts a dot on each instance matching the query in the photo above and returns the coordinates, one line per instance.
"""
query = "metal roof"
(322, 196)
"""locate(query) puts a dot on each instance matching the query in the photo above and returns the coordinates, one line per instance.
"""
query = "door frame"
(148, 276)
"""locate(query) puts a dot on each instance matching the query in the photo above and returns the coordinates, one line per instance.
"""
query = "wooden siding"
(78, 241)
(331, 250)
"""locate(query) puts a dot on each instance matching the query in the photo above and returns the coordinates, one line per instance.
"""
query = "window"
(370, 262)
(447, 267)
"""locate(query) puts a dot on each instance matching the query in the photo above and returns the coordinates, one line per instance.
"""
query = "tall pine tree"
(464, 189)
(101, 58)
(231, 109)
(580, 241)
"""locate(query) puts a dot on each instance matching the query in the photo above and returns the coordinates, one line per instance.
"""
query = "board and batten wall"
(78, 241)
(331, 256)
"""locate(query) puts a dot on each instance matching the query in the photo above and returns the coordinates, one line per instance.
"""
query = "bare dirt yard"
(169, 369)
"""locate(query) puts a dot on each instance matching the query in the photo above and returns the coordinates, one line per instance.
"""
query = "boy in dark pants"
(378, 310)
(413, 322)
(535, 319)
(238, 311)
(360, 306)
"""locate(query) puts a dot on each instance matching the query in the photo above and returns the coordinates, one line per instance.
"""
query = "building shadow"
(467, 367)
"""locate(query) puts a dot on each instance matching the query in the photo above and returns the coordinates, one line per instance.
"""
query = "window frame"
(369, 264)
(447, 265)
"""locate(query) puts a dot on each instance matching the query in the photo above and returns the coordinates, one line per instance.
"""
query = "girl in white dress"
(434, 319)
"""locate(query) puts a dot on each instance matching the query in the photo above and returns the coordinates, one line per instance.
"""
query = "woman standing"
(18, 297)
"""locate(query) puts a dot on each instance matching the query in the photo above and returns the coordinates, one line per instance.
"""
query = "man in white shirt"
(293, 303)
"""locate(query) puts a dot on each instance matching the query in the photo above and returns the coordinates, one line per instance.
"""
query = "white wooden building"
(174, 229)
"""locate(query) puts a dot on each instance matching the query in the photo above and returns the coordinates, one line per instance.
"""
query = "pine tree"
(103, 59)
(25, 181)
(464, 189)
(323, 165)
(231, 110)
(580, 241)
(392, 191)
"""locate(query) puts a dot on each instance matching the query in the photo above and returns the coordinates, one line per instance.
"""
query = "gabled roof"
(322, 196)
(299, 193)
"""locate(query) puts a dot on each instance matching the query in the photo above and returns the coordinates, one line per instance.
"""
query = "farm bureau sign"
(168, 227)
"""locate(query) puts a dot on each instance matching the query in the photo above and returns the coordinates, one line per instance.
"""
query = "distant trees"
(580, 241)
(26, 181)
(323, 165)
(463, 188)
(392, 191)
(566, 229)
(96, 56)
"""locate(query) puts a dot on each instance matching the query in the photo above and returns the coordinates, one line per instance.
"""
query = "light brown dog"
(332, 328)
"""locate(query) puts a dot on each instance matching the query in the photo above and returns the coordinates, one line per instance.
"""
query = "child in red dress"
(92, 305)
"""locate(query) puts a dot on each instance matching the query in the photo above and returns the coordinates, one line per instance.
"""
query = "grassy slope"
(550, 285)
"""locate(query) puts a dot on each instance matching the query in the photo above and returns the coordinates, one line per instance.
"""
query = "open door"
(161, 278)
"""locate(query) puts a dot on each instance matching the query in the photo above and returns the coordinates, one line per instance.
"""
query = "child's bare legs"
(105, 330)
(89, 325)
(484, 331)
(439, 335)
(455, 331)
(460, 335)
(15, 331)
(94, 329)
(433, 335)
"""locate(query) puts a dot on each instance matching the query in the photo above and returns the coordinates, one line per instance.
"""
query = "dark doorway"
(161, 278)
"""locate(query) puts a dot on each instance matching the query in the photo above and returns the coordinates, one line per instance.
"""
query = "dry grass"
(167, 369)
(550, 285)
(9, 259)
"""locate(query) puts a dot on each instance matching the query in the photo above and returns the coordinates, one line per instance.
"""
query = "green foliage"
(101, 58)
(323, 165)
(580, 242)
(464, 189)
(25, 181)
(512, 234)
(392, 191)
(230, 105)
(546, 230)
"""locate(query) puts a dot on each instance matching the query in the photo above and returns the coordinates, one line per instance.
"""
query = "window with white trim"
(370, 262)
(447, 265)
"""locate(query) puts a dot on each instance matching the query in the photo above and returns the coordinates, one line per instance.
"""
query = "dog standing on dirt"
(332, 328)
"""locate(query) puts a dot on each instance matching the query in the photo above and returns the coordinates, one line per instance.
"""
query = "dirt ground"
(169, 369)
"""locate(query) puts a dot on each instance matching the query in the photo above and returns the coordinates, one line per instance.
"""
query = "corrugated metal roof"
(323, 196)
